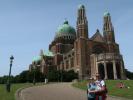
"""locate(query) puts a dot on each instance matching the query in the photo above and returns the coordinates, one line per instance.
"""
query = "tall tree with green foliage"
(129, 74)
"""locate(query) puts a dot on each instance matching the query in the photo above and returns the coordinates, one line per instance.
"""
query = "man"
(101, 88)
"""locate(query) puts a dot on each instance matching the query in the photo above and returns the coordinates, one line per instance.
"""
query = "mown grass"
(4, 95)
(112, 88)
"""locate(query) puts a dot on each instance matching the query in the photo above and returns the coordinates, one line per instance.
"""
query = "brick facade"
(87, 55)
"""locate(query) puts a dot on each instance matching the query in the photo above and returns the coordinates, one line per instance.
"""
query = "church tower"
(81, 45)
(82, 23)
(108, 30)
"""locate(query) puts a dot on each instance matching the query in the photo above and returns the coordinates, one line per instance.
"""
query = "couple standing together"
(96, 89)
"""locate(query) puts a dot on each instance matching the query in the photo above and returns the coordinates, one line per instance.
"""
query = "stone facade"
(75, 50)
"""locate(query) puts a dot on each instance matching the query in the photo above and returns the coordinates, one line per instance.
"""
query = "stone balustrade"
(109, 56)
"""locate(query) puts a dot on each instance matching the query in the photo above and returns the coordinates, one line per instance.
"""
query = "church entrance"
(118, 68)
(110, 70)
(101, 70)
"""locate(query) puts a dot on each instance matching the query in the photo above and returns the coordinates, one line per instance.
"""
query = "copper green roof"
(81, 6)
(106, 14)
(37, 58)
(48, 53)
(65, 30)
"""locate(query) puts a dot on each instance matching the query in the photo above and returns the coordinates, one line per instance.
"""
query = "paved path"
(59, 91)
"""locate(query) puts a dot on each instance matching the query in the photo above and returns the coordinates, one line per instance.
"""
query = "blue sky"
(26, 26)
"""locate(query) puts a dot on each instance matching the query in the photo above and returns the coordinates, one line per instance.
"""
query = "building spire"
(82, 23)
(41, 52)
(108, 29)
(107, 22)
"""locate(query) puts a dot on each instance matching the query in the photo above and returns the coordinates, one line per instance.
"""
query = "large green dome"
(65, 30)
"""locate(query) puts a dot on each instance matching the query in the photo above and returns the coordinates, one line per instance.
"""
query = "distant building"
(74, 49)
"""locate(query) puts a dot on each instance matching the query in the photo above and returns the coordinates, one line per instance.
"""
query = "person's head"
(91, 80)
(98, 76)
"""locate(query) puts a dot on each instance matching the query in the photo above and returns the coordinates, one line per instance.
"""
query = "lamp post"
(8, 85)
(61, 75)
(34, 77)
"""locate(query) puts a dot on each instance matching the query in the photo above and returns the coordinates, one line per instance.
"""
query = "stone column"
(58, 67)
(105, 67)
(122, 70)
(114, 70)
(43, 65)
(105, 71)
(69, 62)
(61, 66)
(93, 65)
(64, 64)
(96, 67)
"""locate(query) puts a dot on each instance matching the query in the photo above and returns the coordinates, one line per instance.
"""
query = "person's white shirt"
(100, 84)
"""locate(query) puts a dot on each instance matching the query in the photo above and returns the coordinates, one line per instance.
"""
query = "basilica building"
(74, 49)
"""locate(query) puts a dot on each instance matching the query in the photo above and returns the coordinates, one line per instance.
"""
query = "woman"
(91, 88)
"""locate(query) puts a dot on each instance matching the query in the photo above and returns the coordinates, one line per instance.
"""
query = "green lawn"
(112, 88)
(4, 95)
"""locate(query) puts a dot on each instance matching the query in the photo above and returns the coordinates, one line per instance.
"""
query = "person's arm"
(99, 91)
(89, 90)
(92, 91)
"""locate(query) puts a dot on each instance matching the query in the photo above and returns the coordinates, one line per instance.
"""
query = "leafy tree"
(28, 76)
(62, 76)
(129, 74)
(68, 76)
(52, 75)
(4, 79)
(22, 78)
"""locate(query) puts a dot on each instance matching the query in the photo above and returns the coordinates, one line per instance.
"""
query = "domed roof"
(65, 30)
(106, 14)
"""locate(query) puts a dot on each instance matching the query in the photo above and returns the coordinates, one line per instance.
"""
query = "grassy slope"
(112, 88)
(4, 95)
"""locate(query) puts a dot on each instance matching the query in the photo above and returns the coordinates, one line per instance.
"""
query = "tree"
(52, 75)
(4, 79)
(22, 78)
(61, 75)
(129, 74)
(70, 75)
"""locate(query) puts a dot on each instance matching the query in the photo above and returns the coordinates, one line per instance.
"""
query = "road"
(58, 91)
